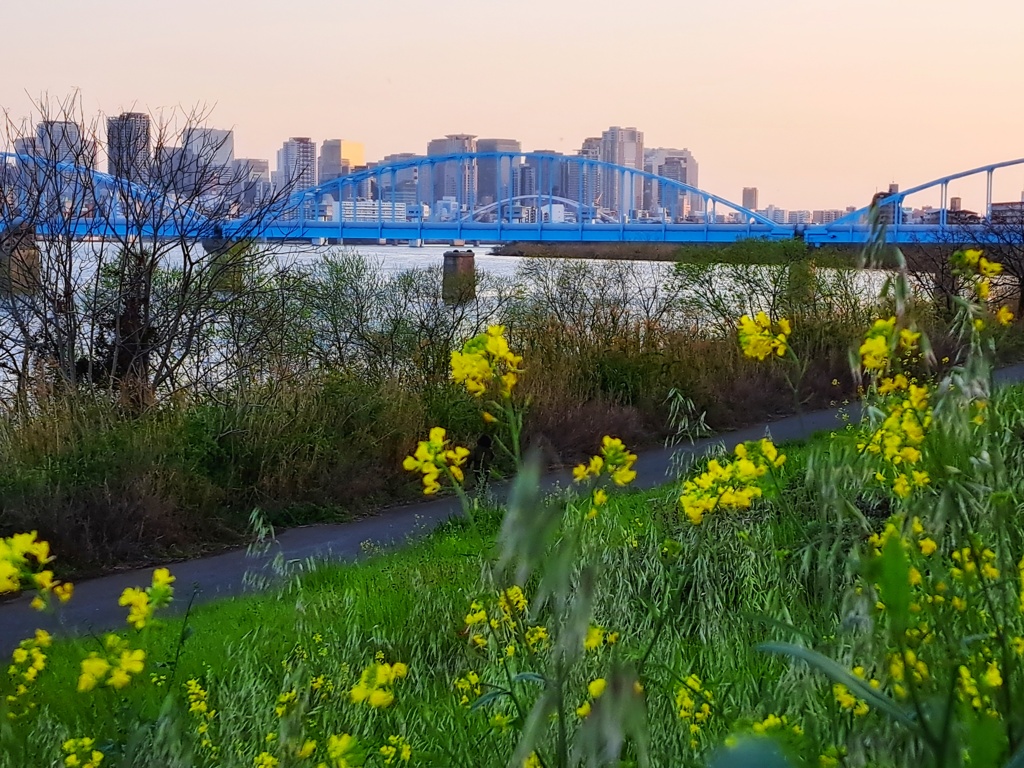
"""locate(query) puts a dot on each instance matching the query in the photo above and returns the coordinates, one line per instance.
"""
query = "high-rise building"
(251, 177)
(172, 170)
(205, 162)
(678, 165)
(527, 180)
(128, 152)
(583, 182)
(497, 177)
(750, 198)
(61, 141)
(296, 164)
(338, 157)
(453, 178)
(402, 185)
(548, 174)
(624, 147)
(209, 146)
(28, 146)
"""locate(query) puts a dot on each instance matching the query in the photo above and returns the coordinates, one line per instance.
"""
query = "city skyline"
(814, 104)
(299, 162)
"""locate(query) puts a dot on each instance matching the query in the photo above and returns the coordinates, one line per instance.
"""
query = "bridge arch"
(348, 187)
(896, 199)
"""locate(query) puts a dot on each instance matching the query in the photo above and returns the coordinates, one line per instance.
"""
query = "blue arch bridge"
(498, 197)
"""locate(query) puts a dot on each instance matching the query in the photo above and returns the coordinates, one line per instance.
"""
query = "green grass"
(409, 604)
(777, 572)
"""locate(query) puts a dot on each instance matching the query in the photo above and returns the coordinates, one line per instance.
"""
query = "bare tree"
(139, 271)
(1001, 236)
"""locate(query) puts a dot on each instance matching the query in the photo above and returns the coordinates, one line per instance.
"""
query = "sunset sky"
(819, 103)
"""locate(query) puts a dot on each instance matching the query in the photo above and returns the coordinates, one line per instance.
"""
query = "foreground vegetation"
(859, 601)
(305, 393)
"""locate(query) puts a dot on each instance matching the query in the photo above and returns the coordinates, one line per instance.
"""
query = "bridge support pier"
(19, 262)
(458, 280)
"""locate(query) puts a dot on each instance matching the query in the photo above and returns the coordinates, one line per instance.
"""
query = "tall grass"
(309, 393)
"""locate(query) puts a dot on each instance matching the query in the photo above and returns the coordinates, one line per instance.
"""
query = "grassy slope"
(410, 603)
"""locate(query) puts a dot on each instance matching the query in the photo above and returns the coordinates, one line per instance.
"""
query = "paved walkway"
(95, 609)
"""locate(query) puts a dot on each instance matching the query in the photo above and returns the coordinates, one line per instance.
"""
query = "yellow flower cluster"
(466, 686)
(846, 700)
(286, 703)
(375, 684)
(615, 461)
(733, 485)
(882, 341)
(760, 338)
(979, 272)
(27, 661)
(506, 626)
(142, 603)
(907, 665)
(486, 362)
(597, 637)
(115, 668)
(21, 558)
(774, 723)
(199, 709)
(971, 564)
(340, 751)
(265, 760)
(693, 704)
(397, 748)
(595, 689)
(82, 753)
(897, 441)
(832, 757)
(432, 457)
(941, 583)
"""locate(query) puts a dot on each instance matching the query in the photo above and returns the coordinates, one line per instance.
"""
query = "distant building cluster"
(613, 176)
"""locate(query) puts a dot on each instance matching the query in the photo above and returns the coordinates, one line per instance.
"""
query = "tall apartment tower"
(750, 198)
(128, 150)
(453, 178)
(625, 147)
(296, 164)
(497, 178)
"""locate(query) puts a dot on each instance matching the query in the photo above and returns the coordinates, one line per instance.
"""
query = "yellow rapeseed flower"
(434, 456)
(759, 338)
(485, 363)
(340, 749)
(615, 461)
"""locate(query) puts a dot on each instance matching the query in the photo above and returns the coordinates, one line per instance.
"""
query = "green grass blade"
(840, 674)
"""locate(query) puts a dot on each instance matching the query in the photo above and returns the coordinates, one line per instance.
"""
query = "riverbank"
(744, 252)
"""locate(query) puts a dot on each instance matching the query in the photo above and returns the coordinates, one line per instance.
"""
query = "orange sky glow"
(818, 103)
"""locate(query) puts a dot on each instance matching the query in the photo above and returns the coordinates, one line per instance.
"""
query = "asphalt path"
(94, 607)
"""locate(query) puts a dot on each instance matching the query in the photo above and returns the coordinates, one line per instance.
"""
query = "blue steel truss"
(60, 198)
(854, 227)
(370, 204)
(398, 202)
